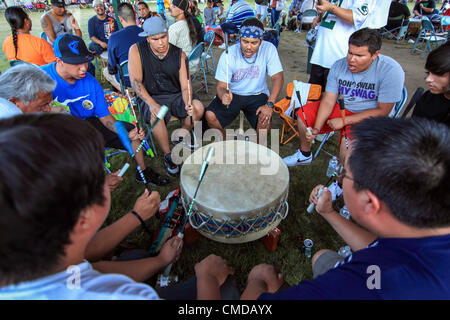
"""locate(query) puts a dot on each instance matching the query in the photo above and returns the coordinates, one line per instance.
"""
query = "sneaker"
(335, 190)
(171, 167)
(297, 159)
(153, 178)
(222, 46)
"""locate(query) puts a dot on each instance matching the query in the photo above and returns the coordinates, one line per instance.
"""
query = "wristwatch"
(270, 104)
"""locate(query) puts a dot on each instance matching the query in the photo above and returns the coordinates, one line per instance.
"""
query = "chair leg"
(321, 145)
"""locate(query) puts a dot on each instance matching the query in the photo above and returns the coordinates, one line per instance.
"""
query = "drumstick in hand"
(191, 205)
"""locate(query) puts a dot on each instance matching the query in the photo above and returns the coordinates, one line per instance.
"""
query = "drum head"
(243, 180)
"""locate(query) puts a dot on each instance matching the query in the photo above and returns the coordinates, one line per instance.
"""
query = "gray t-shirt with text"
(382, 82)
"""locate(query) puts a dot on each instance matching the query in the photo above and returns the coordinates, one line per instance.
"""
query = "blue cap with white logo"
(72, 49)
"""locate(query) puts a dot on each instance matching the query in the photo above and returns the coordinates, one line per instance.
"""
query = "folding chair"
(397, 33)
(309, 14)
(412, 103)
(287, 111)
(426, 37)
(196, 54)
(395, 113)
(208, 53)
(123, 73)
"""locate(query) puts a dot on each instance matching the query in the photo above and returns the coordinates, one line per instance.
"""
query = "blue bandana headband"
(251, 32)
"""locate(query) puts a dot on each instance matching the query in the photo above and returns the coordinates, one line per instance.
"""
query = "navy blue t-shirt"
(97, 28)
(119, 44)
(406, 269)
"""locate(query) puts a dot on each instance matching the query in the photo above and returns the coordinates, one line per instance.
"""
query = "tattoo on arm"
(110, 126)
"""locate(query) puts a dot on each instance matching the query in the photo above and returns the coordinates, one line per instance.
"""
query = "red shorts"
(311, 109)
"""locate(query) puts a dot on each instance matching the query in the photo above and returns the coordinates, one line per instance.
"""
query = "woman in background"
(21, 45)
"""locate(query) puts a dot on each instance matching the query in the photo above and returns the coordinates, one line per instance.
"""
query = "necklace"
(247, 59)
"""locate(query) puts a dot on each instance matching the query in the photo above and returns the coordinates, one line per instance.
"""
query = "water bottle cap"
(308, 243)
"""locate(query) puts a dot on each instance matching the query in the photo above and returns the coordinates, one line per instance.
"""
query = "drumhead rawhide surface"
(243, 195)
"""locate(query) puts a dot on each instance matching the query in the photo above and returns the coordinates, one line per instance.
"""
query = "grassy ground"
(289, 257)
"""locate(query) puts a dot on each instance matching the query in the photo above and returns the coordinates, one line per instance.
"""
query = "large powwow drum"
(243, 195)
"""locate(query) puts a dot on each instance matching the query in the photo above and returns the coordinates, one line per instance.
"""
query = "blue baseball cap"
(71, 49)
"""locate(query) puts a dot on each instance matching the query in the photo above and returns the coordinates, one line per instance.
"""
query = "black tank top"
(160, 76)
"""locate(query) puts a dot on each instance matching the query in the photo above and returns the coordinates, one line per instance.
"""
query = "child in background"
(209, 14)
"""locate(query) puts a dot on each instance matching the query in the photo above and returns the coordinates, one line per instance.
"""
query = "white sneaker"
(297, 159)
(222, 46)
(335, 190)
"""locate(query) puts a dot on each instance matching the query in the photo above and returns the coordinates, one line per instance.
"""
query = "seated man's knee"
(317, 255)
(210, 116)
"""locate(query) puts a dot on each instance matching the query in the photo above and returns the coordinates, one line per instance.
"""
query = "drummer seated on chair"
(369, 83)
(247, 64)
(159, 76)
(80, 92)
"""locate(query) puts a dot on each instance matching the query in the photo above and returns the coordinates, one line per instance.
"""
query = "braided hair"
(16, 18)
(192, 30)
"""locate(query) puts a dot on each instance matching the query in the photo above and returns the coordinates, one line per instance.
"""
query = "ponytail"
(192, 31)
(16, 18)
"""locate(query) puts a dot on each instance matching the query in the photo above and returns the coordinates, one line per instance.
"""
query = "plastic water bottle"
(345, 251)
(308, 243)
(332, 165)
(345, 213)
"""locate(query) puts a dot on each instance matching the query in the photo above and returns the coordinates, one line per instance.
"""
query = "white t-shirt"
(333, 33)
(179, 37)
(80, 282)
(381, 82)
(8, 109)
(247, 77)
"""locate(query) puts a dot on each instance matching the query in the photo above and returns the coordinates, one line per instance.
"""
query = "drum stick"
(200, 179)
(226, 52)
(342, 108)
(123, 136)
(161, 114)
(185, 218)
(189, 86)
(319, 194)
(124, 169)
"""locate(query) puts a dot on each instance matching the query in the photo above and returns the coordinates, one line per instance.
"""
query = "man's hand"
(316, 21)
(136, 135)
(266, 114)
(336, 123)
(324, 7)
(213, 269)
(323, 203)
(147, 204)
(226, 98)
(154, 109)
(262, 278)
(190, 110)
(311, 135)
(171, 250)
(113, 181)
(269, 275)
(104, 45)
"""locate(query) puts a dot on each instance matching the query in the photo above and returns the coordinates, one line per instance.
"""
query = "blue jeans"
(274, 16)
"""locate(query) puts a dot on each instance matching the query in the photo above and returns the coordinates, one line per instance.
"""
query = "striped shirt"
(240, 11)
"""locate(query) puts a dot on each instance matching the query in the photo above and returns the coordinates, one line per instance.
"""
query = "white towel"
(303, 90)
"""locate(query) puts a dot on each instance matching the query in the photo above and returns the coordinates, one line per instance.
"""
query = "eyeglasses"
(342, 173)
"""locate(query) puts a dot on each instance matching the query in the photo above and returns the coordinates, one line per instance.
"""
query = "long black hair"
(16, 18)
(192, 30)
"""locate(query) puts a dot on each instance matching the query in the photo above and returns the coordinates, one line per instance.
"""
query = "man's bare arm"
(47, 27)
(136, 77)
